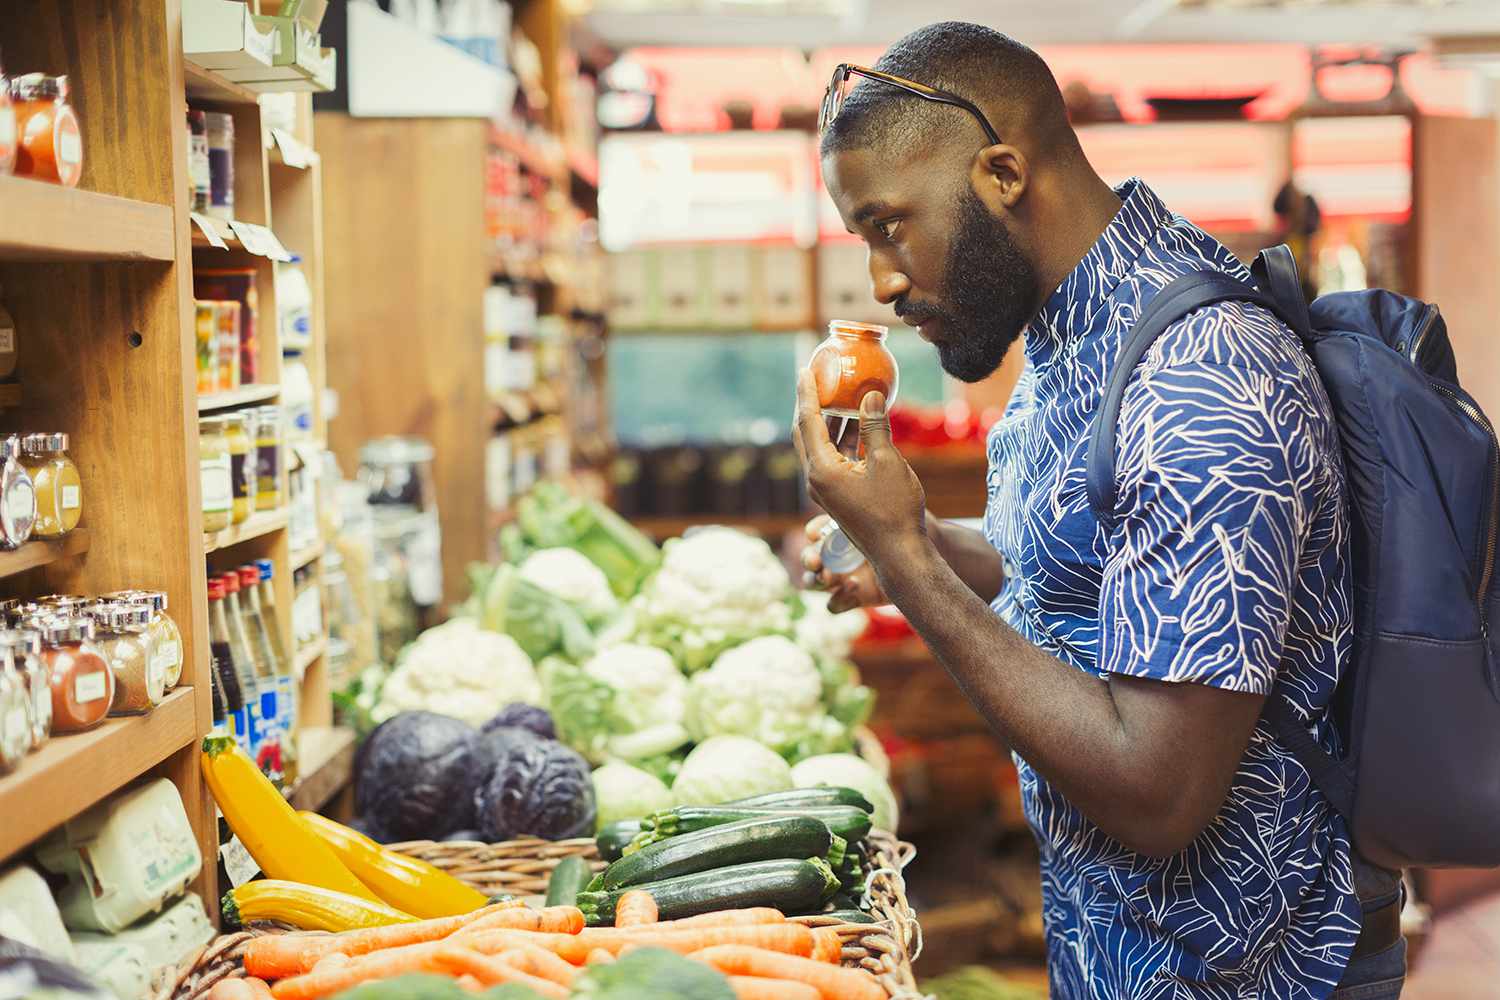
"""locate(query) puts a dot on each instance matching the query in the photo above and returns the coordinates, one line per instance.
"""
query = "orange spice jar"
(51, 143)
(852, 362)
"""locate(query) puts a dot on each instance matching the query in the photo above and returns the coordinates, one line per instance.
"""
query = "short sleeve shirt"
(1226, 566)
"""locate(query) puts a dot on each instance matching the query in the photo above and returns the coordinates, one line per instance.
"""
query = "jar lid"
(266, 567)
(117, 615)
(64, 602)
(10, 446)
(849, 326)
(24, 640)
(39, 444)
(65, 629)
(155, 599)
(38, 87)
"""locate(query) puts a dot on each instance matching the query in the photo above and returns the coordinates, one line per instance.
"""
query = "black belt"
(1379, 930)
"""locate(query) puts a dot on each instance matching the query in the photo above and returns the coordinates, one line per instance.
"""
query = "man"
(1183, 852)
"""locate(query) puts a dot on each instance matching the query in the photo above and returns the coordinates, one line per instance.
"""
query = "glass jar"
(9, 355)
(266, 600)
(852, 362)
(206, 345)
(199, 175)
(83, 685)
(397, 471)
(164, 631)
(24, 647)
(50, 146)
(220, 135)
(17, 496)
(54, 477)
(267, 435)
(214, 474)
(15, 715)
(297, 396)
(123, 635)
(241, 467)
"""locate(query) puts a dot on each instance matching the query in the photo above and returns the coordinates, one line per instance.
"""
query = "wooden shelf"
(662, 528)
(257, 524)
(255, 393)
(40, 552)
(325, 764)
(70, 773)
(46, 222)
(206, 86)
(302, 557)
(308, 655)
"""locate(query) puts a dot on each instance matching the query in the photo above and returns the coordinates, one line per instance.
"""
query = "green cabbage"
(625, 792)
(726, 768)
(848, 771)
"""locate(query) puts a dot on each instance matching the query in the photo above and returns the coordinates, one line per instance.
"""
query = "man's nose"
(887, 283)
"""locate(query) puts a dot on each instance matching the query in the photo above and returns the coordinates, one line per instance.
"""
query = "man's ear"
(1001, 174)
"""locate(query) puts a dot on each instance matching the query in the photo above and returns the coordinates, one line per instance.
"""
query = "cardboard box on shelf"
(631, 277)
(682, 288)
(729, 287)
(783, 291)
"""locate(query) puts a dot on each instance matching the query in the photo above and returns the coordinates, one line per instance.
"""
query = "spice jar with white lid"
(124, 640)
(164, 631)
(55, 479)
(17, 496)
(15, 715)
(83, 685)
(25, 646)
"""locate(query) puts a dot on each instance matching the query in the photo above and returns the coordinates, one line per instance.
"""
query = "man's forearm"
(973, 559)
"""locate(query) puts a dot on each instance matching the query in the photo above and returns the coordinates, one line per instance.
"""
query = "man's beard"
(989, 294)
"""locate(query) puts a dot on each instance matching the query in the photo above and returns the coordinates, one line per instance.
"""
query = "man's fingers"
(874, 423)
(816, 527)
(816, 445)
(812, 558)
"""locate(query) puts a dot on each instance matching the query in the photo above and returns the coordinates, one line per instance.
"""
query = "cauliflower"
(716, 588)
(769, 689)
(826, 635)
(461, 670)
(625, 792)
(628, 701)
(568, 574)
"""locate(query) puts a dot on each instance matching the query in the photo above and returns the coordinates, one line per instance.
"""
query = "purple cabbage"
(524, 716)
(416, 774)
(539, 788)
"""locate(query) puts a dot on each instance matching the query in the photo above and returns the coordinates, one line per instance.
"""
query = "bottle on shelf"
(221, 651)
(258, 684)
(255, 586)
(297, 396)
(293, 305)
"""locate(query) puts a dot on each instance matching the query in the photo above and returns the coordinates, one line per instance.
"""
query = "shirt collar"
(1071, 309)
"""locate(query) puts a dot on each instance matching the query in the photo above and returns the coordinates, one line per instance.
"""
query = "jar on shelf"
(199, 174)
(241, 467)
(122, 633)
(164, 631)
(24, 647)
(9, 351)
(215, 477)
(83, 685)
(220, 134)
(17, 496)
(15, 715)
(297, 396)
(206, 345)
(54, 477)
(50, 145)
(268, 449)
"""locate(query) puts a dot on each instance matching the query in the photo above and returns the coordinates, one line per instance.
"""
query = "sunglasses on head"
(840, 86)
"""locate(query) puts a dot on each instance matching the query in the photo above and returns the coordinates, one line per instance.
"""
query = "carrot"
(827, 945)
(636, 908)
(727, 918)
(551, 920)
(751, 988)
(833, 983)
(599, 956)
(793, 939)
(538, 961)
(259, 988)
(382, 965)
(493, 971)
(332, 960)
(277, 956)
(231, 989)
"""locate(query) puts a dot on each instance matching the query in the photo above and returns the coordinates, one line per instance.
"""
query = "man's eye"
(887, 228)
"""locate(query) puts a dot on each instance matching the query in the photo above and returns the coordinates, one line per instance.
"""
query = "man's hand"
(859, 589)
(878, 500)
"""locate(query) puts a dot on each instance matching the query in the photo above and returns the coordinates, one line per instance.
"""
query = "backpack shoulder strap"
(1275, 271)
(1183, 295)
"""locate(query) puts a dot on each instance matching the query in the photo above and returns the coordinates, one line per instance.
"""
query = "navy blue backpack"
(1418, 706)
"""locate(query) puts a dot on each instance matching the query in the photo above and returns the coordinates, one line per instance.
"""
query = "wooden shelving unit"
(308, 655)
(43, 222)
(257, 525)
(243, 396)
(204, 86)
(302, 557)
(41, 552)
(326, 766)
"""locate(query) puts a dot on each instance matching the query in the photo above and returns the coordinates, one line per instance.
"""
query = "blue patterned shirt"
(1227, 567)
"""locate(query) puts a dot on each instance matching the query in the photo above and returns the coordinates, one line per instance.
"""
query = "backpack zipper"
(1429, 320)
(1485, 570)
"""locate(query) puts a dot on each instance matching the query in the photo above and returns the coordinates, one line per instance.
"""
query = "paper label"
(72, 497)
(41, 703)
(218, 489)
(293, 153)
(209, 230)
(167, 654)
(17, 722)
(20, 502)
(7, 340)
(90, 687)
(69, 146)
(238, 864)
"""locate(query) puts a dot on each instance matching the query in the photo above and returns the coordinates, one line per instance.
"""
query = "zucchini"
(791, 886)
(804, 798)
(849, 822)
(765, 839)
(613, 838)
(568, 880)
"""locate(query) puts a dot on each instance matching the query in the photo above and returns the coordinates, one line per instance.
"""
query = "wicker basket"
(521, 867)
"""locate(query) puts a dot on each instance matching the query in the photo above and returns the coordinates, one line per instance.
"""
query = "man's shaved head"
(1005, 78)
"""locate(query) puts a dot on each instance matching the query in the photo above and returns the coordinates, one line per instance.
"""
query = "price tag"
(238, 864)
(271, 246)
(209, 230)
(249, 236)
(293, 153)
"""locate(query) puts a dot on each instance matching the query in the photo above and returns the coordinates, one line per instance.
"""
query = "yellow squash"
(279, 842)
(401, 880)
(306, 907)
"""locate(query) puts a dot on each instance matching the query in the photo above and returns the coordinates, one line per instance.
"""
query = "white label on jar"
(90, 687)
(20, 504)
(41, 704)
(7, 129)
(17, 726)
(72, 497)
(7, 333)
(167, 655)
(69, 146)
(218, 488)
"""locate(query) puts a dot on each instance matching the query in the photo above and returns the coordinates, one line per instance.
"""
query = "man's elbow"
(1165, 825)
